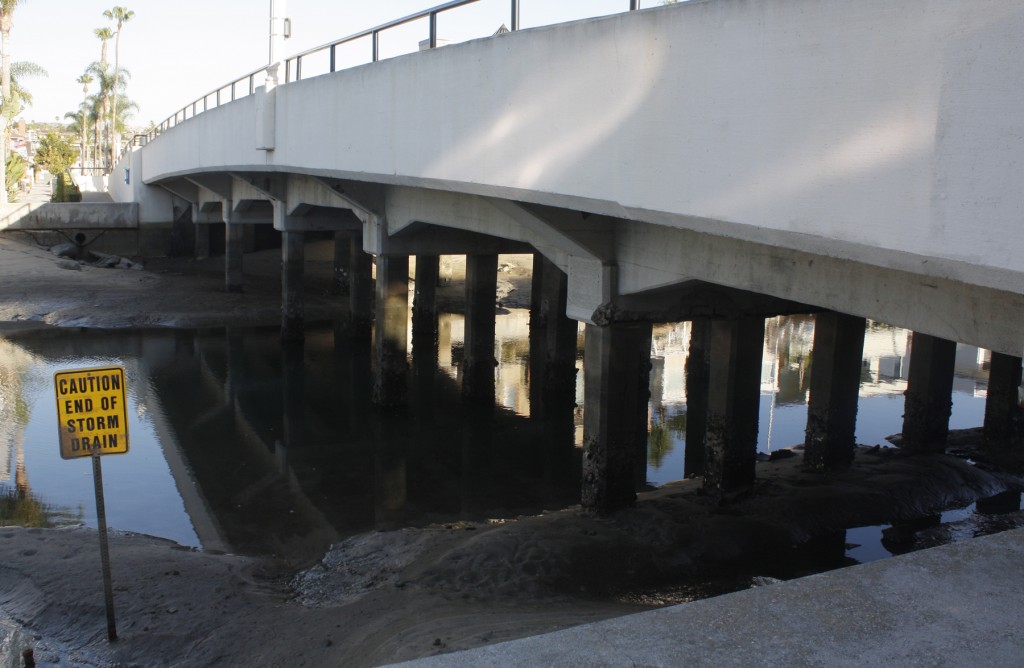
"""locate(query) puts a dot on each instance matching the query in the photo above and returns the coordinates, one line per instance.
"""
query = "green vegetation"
(56, 154)
(65, 189)
(13, 171)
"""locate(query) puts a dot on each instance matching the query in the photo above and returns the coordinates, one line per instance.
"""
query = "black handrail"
(374, 34)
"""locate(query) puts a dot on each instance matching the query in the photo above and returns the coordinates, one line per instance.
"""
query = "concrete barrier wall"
(882, 132)
(77, 216)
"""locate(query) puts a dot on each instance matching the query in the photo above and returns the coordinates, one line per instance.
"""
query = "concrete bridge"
(716, 160)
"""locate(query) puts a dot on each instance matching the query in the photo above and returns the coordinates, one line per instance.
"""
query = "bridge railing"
(246, 84)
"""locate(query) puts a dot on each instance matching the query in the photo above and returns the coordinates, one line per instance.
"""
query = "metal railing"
(230, 91)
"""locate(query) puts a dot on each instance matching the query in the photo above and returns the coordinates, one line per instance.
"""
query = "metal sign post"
(92, 418)
(101, 521)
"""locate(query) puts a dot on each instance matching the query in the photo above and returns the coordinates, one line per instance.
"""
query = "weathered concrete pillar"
(552, 341)
(616, 369)
(424, 305)
(360, 297)
(391, 332)
(734, 391)
(342, 262)
(202, 247)
(293, 263)
(234, 247)
(479, 362)
(830, 437)
(698, 367)
(929, 395)
(425, 336)
(1003, 414)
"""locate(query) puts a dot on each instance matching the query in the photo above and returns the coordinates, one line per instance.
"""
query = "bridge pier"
(478, 363)
(424, 304)
(342, 262)
(698, 369)
(929, 401)
(360, 296)
(391, 332)
(734, 390)
(830, 437)
(1004, 419)
(234, 247)
(552, 340)
(293, 263)
(616, 376)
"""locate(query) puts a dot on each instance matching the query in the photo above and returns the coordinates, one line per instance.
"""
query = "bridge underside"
(618, 270)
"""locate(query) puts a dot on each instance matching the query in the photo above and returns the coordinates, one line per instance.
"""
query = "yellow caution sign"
(92, 411)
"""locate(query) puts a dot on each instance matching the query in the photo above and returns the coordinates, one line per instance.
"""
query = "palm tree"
(104, 35)
(85, 80)
(111, 84)
(6, 22)
(121, 15)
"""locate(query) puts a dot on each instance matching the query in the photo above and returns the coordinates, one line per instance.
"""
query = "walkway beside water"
(954, 605)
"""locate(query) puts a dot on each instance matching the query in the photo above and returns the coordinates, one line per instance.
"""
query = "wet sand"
(387, 596)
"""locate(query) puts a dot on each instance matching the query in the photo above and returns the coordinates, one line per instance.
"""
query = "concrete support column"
(830, 437)
(391, 333)
(1003, 414)
(342, 262)
(616, 375)
(234, 247)
(734, 391)
(424, 305)
(360, 296)
(552, 341)
(929, 395)
(698, 368)
(425, 336)
(479, 362)
(293, 263)
(202, 243)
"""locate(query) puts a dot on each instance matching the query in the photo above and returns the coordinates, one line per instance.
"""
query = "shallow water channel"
(239, 445)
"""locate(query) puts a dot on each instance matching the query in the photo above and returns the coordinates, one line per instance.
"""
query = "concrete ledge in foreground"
(954, 605)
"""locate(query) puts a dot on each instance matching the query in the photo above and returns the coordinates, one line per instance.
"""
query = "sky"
(178, 51)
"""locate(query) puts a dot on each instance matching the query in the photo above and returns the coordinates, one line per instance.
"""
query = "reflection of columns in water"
(929, 395)
(234, 247)
(552, 341)
(391, 333)
(1004, 419)
(294, 373)
(698, 366)
(479, 362)
(390, 473)
(830, 438)
(616, 378)
(360, 294)
(293, 262)
(235, 344)
(734, 390)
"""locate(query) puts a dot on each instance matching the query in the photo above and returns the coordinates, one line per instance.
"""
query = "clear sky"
(177, 51)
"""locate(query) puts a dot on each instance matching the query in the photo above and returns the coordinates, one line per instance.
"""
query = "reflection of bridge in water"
(279, 451)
